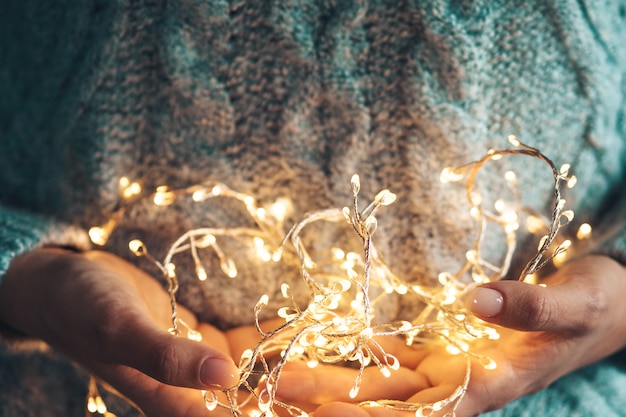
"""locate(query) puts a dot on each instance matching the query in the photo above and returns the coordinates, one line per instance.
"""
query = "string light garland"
(338, 325)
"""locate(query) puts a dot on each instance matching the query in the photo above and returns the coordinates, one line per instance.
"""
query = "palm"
(575, 321)
(112, 318)
(429, 375)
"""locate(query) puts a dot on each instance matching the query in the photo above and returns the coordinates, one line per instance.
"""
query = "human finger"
(114, 326)
(213, 337)
(340, 409)
(150, 291)
(328, 383)
(247, 337)
(567, 307)
(154, 398)
(138, 342)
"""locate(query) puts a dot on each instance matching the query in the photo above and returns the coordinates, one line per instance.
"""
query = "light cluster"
(338, 325)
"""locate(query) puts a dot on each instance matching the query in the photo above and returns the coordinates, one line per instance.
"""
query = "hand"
(112, 318)
(578, 319)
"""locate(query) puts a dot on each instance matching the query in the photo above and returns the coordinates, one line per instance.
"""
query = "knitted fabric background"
(290, 98)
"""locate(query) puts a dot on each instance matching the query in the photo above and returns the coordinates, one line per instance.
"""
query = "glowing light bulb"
(534, 224)
(280, 209)
(130, 190)
(217, 190)
(200, 195)
(137, 247)
(355, 183)
(371, 224)
(210, 400)
(513, 140)
(488, 363)
(194, 335)
(453, 350)
(405, 326)
(261, 250)
(229, 268)
(568, 214)
(496, 156)
(344, 284)
(385, 197)
(401, 289)
(262, 301)
(312, 363)
(337, 253)
(531, 279)
(509, 216)
(285, 290)
(511, 177)
(584, 231)
(100, 405)
(572, 181)
(171, 270)
(476, 198)
(511, 227)
(91, 405)
(206, 241)
(368, 332)
(277, 255)
(385, 371)
(163, 196)
(561, 256)
(320, 341)
(283, 312)
(448, 174)
(98, 235)
(201, 272)
(246, 355)
(347, 215)
(249, 202)
(308, 263)
(392, 362)
(471, 256)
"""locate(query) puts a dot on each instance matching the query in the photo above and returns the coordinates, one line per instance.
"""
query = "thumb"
(173, 360)
(560, 308)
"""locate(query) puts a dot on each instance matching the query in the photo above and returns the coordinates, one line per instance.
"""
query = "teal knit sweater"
(290, 98)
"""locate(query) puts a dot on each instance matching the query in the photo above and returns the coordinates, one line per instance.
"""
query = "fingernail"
(486, 302)
(218, 373)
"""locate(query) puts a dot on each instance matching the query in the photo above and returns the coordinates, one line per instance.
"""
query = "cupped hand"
(112, 318)
(548, 332)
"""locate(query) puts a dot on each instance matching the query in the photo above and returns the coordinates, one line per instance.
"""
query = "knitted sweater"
(289, 99)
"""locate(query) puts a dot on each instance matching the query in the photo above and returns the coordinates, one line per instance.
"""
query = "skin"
(578, 319)
(548, 332)
(113, 318)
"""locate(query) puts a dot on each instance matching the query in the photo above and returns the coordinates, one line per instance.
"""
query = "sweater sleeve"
(611, 230)
(22, 231)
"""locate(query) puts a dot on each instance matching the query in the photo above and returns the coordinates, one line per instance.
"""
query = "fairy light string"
(338, 324)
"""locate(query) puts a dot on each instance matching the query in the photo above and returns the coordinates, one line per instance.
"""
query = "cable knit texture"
(290, 98)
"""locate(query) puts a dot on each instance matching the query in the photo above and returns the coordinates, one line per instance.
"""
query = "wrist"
(27, 286)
